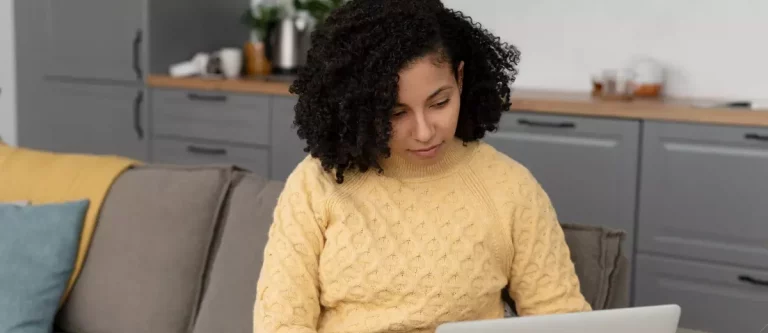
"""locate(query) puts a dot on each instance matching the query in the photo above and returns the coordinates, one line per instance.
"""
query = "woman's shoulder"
(491, 162)
(309, 175)
(503, 176)
(305, 194)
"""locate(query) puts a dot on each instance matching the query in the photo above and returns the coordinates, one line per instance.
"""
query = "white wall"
(7, 73)
(713, 48)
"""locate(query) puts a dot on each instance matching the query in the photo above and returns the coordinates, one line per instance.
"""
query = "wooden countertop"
(253, 86)
(547, 102)
(668, 109)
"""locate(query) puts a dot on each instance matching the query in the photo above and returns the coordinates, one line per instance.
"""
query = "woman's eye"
(443, 103)
(397, 114)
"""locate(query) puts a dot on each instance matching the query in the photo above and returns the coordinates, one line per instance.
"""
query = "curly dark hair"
(349, 86)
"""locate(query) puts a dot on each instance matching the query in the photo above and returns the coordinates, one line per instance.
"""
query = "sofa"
(177, 249)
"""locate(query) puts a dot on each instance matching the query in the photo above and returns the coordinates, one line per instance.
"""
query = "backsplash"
(711, 47)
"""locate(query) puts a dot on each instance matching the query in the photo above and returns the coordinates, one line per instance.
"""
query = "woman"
(402, 218)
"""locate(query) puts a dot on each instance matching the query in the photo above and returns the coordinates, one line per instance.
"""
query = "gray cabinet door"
(587, 166)
(703, 193)
(714, 298)
(90, 119)
(92, 39)
(287, 147)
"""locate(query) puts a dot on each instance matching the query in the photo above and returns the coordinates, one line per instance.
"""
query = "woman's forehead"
(422, 79)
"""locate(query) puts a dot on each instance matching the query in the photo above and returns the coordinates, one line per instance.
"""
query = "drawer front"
(703, 193)
(713, 298)
(531, 122)
(194, 153)
(211, 115)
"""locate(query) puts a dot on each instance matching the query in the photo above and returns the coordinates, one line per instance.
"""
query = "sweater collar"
(454, 153)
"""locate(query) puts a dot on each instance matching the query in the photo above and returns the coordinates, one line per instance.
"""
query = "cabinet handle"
(206, 151)
(755, 136)
(137, 114)
(207, 98)
(532, 123)
(137, 54)
(751, 280)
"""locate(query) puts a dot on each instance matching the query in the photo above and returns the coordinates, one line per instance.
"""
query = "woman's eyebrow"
(441, 89)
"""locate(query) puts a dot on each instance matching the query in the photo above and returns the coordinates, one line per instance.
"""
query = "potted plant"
(263, 18)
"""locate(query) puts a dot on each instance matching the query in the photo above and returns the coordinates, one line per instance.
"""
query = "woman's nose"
(424, 130)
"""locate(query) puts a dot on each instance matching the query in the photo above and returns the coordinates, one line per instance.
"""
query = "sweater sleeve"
(543, 278)
(287, 299)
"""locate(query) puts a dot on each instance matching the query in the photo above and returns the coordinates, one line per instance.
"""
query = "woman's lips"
(428, 152)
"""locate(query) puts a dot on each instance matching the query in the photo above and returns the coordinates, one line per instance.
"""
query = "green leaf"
(260, 18)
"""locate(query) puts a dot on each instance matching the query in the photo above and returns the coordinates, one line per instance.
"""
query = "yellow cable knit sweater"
(414, 247)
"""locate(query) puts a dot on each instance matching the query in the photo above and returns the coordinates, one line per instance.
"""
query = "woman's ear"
(460, 75)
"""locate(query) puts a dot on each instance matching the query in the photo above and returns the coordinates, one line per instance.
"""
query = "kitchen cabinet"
(89, 119)
(702, 230)
(92, 39)
(287, 147)
(77, 74)
(703, 193)
(208, 127)
(714, 298)
(251, 131)
(587, 166)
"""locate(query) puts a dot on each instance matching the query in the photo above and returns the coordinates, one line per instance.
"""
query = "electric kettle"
(288, 41)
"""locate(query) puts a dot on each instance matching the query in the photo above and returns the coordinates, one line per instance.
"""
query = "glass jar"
(617, 84)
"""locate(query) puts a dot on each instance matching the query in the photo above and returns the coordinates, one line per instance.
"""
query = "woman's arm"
(287, 299)
(543, 279)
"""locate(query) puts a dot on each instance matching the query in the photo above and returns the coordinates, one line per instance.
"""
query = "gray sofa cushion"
(601, 265)
(231, 289)
(145, 268)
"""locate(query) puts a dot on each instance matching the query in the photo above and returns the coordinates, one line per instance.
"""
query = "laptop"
(645, 319)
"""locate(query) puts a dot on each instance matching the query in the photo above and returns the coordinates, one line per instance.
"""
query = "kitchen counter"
(549, 102)
(267, 85)
(668, 109)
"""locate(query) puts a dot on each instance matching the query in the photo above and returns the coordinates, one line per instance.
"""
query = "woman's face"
(427, 112)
